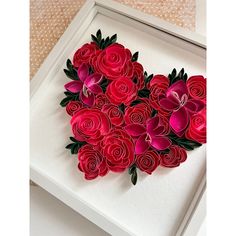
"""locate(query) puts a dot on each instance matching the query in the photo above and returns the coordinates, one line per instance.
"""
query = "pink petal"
(135, 130)
(83, 72)
(152, 123)
(95, 88)
(93, 79)
(160, 143)
(74, 86)
(168, 104)
(142, 144)
(88, 100)
(179, 87)
(179, 120)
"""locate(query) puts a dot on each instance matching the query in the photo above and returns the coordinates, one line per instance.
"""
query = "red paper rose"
(138, 76)
(197, 87)
(138, 114)
(100, 100)
(118, 149)
(84, 54)
(158, 86)
(121, 90)
(91, 162)
(197, 127)
(176, 156)
(90, 125)
(114, 114)
(73, 106)
(114, 62)
(148, 161)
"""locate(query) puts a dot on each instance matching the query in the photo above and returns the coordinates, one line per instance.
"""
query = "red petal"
(83, 72)
(135, 130)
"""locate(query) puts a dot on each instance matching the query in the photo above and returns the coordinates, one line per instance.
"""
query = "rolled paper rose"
(121, 90)
(114, 62)
(91, 162)
(197, 127)
(148, 161)
(90, 125)
(84, 54)
(114, 114)
(197, 87)
(158, 86)
(177, 101)
(100, 100)
(153, 134)
(73, 106)
(174, 158)
(138, 114)
(118, 148)
(138, 76)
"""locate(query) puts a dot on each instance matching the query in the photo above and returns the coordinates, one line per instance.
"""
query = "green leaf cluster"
(75, 146)
(102, 43)
(69, 97)
(70, 72)
(183, 142)
(174, 77)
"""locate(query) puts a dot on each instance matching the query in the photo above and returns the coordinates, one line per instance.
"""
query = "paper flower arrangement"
(123, 118)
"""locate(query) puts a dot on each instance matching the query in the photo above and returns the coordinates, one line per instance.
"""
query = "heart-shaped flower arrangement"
(123, 118)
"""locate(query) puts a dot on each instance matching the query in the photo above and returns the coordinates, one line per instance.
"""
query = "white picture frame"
(188, 40)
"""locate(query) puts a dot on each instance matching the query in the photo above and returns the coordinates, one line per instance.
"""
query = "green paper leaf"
(74, 140)
(69, 146)
(65, 101)
(144, 93)
(94, 39)
(71, 74)
(122, 108)
(154, 112)
(183, 142)
(135, 56)
(113, 38)
(134, 177)
(131, 169)
(69, 65)
(99, 35)
(135, 102)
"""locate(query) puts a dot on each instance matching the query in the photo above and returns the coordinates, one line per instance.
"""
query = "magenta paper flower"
(87, 85)
(177, 100)
(154, 134)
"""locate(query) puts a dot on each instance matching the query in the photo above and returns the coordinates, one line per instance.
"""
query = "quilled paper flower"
(124, 119)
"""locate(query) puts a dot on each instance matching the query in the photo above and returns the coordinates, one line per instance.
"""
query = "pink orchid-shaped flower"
(153, 134)
(177, 101)
(87, 85)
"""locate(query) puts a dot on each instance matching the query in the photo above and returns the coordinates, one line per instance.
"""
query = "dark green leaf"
(154, 112)
(185, 77)
(75, 148)
(183, 142)
(173, 73)
(135, 56)
(71, 74)
(145, 73)
(148, 79)
(94, 39)
(74, 140)
(135, 102)
(134, 177)
(122, 108)
(69, 65)
(69, 146)
(65, 101)
(113, 38)
(132, 169)
(99, 35)
(144, 93)
(106, 43)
